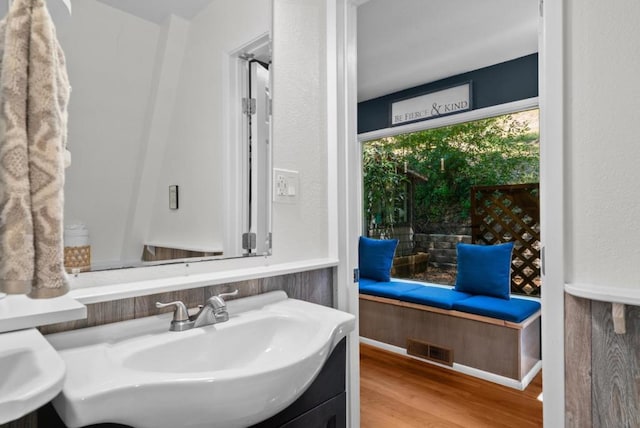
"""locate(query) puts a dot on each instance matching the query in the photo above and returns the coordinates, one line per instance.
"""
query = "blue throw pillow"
(485, 269)
(375, 257)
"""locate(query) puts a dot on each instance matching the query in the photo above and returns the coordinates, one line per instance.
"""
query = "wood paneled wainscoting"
(313, 286)
(602, 368)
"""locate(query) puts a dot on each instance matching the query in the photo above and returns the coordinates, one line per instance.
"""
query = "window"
(417, 186)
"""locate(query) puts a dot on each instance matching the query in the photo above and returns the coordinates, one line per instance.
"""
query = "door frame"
(552, 190)
(343, 175)
(343, 14)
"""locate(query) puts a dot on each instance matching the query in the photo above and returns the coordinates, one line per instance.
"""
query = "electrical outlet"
(285, 186)
(281, 185)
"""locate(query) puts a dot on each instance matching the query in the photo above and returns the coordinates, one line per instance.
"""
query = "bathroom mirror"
(169, 129)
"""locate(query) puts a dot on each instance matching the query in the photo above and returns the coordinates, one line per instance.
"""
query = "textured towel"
(34, 92)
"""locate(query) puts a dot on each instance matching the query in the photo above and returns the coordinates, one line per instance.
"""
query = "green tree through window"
(451, 159)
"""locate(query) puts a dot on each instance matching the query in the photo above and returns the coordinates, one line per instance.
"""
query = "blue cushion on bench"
(438, 297)
(484, 270)
(514, 310)
(375, 257)
(367, 281)
(391, 289)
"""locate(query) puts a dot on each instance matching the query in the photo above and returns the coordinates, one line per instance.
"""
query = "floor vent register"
(430, 352)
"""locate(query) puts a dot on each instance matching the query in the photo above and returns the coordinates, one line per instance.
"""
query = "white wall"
(603, 142)
(106, 117)
(194, 156)
(299, 127)
(162, 106)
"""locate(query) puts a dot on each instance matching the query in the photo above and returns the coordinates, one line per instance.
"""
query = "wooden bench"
(501, 351)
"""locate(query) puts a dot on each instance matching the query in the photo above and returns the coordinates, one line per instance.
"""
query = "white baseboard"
(491, 377)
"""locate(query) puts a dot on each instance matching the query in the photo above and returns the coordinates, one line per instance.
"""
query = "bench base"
(504, 353)
(480, 374)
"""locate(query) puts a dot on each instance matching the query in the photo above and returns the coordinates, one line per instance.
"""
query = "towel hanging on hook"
(34, 91)
(66, 3)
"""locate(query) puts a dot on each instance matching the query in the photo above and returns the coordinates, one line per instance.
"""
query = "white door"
(260, 158)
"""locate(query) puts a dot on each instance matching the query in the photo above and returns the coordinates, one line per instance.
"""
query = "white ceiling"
(158, 10)
(402, 43)
(405, 43)
(151, 10)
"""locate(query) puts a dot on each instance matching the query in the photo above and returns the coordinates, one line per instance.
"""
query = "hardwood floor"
(401, 392)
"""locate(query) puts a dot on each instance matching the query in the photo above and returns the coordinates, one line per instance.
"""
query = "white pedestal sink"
(231, 374)
(31, 373)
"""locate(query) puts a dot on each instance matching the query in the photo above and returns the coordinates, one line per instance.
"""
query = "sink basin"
(231, 374)
(31, 373)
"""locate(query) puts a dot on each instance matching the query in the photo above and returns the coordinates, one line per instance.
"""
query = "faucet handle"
(223, 295)
(179, 313)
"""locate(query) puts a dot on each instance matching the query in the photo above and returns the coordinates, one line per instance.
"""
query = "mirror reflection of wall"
(151, 108)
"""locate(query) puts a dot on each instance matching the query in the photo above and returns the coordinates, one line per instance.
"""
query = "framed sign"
(431, 105)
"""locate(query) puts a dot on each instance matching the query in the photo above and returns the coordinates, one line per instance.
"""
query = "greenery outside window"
(420, 182)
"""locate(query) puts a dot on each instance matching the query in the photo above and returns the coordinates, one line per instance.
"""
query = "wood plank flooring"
(401, 392)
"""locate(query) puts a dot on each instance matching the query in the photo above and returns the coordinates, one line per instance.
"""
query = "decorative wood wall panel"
(296, 286)
(97, 314)
(577, 369)
(615, 368)
(602, 368)
(313, 286)
(164, 253)
(113, 311)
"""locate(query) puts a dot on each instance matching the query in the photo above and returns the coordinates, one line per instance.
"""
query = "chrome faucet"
(212, 312)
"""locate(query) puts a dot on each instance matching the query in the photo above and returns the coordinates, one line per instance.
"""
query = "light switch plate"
(173, 197)
(286, 186)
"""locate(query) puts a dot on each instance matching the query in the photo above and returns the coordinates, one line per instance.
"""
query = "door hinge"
(249, 106)
(541, 8)
(356, 275)
(270, 106)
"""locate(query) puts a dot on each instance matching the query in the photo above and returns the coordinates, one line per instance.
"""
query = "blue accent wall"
(497, 84)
